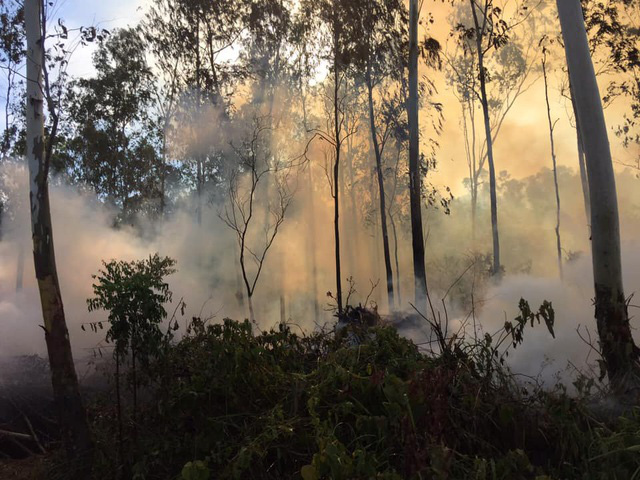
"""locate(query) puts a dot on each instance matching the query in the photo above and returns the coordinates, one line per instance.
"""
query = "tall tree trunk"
(336, 168)
(380, 177)
(618, 348)
(252, 316)
(71, 413)
(553, 160)
(497, 269)
(353, 240)
(415, 181)
(199, 164)
(312, 226)
(312, 248)
(239, 285)
(396, 259)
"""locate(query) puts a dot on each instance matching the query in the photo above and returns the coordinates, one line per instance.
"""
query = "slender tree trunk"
(353, 240)
(199, 165)
(618, 348)
(163, 172)
(476, 175)
(497, 269)
(312, 225)
(72, 416)
(397, 262)
(336, 168)
(312, 248)
(239, 286)
(383, 207)
(119, 412)
(252, 316)
(415, 180)
(553, 160)
(473, 189)
(134, 381)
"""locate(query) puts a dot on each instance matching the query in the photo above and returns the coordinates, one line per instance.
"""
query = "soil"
(31, 468)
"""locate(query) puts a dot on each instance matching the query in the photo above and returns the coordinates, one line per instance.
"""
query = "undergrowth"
(225, 402)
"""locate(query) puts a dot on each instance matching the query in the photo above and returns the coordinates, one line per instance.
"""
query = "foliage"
(110, 140)
(134, 294)
(229, 403)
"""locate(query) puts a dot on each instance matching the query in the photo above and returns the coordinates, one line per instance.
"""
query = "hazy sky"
(107, 14)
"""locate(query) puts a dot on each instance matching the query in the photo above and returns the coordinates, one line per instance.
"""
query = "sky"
(107, 14)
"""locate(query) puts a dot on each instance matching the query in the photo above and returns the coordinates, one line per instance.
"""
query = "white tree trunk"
(72, 418)
(618, 348)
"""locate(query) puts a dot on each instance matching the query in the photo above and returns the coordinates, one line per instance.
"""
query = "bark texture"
(71, 412)
(616, 342)
(415, 180)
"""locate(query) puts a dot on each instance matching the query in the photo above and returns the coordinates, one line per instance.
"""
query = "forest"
(319, 239)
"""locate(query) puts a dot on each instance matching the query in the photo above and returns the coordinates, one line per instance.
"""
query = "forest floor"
(30, 468)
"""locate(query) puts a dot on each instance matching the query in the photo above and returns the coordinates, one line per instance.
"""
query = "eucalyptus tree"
(112, 140)
(620, 354)
(613, 31)
(71, 413)
(333, 25)
(415, 177)
(267, 46)
(511, 75)
(379, 61)
(486, 33)
(552, 125)
(190, 42)
(12, 51)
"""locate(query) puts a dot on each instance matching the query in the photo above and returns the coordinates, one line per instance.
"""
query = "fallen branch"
(11, 434)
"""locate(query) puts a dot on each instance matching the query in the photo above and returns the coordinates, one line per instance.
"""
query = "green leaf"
(309, 472)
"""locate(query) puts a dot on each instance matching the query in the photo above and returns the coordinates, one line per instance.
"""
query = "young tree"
(134, 294)
(71, 412)
(510, 76)
(488, 34)
(379, 58)
(553, 155)
(618, 348)
(333, 25)
(245, 193)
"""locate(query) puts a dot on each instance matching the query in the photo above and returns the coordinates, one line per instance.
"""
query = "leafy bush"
(232, 404)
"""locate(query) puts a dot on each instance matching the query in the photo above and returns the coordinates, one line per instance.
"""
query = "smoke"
(207, 281)
(208, 276)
